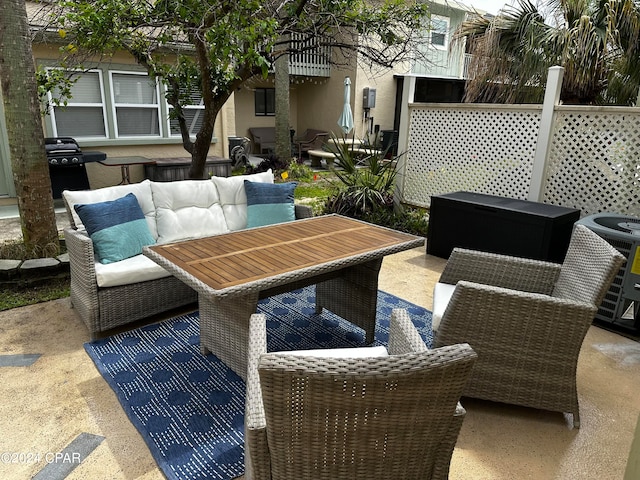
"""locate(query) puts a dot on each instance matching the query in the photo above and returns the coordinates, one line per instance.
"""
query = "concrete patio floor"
(61, 402)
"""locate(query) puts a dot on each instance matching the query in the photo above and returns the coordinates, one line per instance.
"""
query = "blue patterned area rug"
(190, 408)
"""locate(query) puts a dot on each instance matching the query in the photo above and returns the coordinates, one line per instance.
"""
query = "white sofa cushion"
(187, 209)
(359, 352)
(442, 293)
(234, 199)
(131, 270)
(141, 190)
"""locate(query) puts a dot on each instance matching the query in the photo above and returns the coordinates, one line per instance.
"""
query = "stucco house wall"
(314, 102)
(164, 146)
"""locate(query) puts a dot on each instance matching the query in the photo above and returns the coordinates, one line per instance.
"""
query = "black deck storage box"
(170, 169)
(500, 225)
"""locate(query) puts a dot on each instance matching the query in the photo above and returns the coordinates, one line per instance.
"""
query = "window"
(120, 104)
(135, 104)
(439, 31)
(84, 114)
(193, 114)
(265, 101)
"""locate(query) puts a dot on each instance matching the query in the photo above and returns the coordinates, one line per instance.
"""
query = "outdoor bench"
(316, 157)
(360, 154)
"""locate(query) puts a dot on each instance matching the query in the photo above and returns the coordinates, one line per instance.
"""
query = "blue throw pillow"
(117, 228)
(269, 203)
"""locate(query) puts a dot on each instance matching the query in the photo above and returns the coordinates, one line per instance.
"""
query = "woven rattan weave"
(394, 417)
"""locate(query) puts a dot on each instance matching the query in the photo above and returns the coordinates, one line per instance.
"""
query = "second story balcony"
(310, 59)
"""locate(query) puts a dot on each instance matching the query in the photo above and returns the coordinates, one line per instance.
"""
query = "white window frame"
(199, 107)
(71, 103)
(115, 106)
(447, 22)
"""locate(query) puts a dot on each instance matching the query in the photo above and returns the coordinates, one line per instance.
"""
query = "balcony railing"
(312, 60)
(466, 67)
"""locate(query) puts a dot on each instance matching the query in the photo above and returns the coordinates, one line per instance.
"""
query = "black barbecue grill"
(67, 164)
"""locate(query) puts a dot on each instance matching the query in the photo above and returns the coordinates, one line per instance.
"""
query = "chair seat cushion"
(361, 352)
(442, 293)
(132, 270)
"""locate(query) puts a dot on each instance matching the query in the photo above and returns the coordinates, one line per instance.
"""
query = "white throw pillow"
(187, 209)
(234, 198)
(360, 352)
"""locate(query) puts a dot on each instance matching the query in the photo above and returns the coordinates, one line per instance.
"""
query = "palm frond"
(596, 41)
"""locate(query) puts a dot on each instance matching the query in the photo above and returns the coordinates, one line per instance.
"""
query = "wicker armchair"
(388, 417)
(526, 319)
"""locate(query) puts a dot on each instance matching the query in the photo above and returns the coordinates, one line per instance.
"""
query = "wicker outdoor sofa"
(115, 294)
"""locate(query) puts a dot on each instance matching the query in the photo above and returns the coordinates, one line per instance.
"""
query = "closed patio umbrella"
(346, 118)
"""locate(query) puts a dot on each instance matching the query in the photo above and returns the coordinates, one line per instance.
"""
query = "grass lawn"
(19, 296)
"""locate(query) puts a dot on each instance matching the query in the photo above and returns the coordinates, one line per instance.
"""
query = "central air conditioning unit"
(621, 304)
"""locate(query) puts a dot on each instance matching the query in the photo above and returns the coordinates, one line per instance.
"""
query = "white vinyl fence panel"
(594, 160)
(592, 163)
(456, 147)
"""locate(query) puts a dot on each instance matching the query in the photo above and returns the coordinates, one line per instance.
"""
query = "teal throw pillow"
(269, 203)
(117, 228)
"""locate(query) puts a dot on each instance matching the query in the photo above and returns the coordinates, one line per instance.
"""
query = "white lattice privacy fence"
(467, 147)
(593, 160)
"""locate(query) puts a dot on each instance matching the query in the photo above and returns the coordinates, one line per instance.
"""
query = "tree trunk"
(24, 129)
(200, 148)
(211, 109)
(199, 156)
(283, 136)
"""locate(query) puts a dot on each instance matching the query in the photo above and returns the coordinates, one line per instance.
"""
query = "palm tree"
(596, 41)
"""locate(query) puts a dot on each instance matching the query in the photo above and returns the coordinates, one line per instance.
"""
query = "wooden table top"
(236, 258)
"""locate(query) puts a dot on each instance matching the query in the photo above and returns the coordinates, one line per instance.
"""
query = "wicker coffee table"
(231, 272)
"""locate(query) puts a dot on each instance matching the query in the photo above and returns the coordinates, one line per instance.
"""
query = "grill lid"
(60, 145)
(63, 151)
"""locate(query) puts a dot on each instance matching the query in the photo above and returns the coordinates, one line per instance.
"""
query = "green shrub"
(361, 190)
(300, 172)
(366, 193)
(407, 219)
(271, 162)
